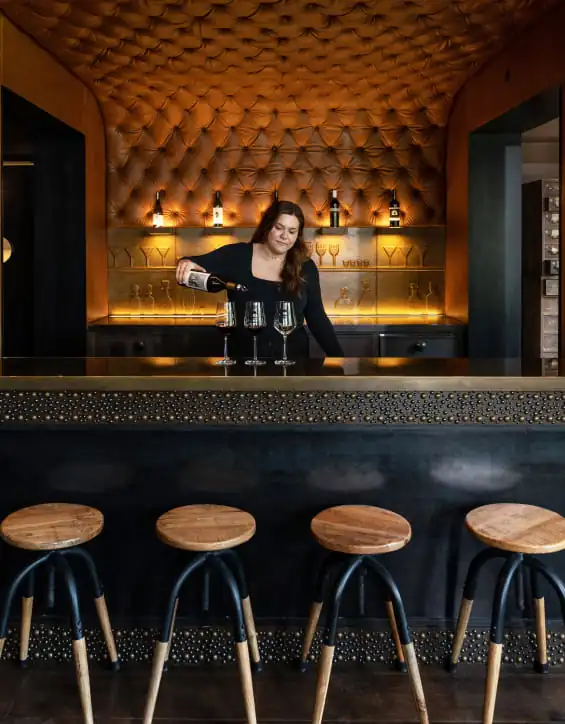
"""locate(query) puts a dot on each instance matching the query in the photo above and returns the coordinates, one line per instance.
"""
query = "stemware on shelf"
(130, 252)
(285, 324)
(255, 321)
(114, 251)
(406, 251)
(334, 251)
(163, 251)
(389, 251)
(423, 249)
(226, 321)
(309, 248)
(147, 252)
(321, 249)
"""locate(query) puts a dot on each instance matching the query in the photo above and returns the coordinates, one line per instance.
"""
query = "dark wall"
(433, 476)
(43, 216)
(495, 251)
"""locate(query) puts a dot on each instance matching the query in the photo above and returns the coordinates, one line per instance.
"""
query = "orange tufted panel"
(246, 96)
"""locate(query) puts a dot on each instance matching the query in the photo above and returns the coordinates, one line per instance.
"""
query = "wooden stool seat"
(205, 527)
(518, 528)
(52, 526)
(361, 530)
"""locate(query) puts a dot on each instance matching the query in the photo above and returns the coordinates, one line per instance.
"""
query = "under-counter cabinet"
(367, 340)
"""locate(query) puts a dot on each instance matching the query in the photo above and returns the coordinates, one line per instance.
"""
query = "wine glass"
(334, 251)
(389, 251)
(147, 252)
(163, 251)
(285, 324)
(254, 321)
(226, 321)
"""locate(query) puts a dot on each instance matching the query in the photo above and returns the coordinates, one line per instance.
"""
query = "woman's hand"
(184, 267)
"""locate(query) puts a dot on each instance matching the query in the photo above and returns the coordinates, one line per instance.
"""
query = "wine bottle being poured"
(205, 282)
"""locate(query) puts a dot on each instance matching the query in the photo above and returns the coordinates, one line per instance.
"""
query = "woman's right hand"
(184, 267)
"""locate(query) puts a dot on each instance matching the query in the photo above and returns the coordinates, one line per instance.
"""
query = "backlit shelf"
(140, 268)
(381, 268)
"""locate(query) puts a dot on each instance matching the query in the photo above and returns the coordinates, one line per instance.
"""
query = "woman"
(274, 267)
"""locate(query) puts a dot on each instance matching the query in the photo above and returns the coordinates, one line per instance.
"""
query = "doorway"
(499, 163)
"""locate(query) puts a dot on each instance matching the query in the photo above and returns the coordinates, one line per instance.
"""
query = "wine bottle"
(205, 282)
(394, 212)
(334, 210)
(158, 211)
(218, 210)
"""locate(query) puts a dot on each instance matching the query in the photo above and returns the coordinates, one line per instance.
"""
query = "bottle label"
(218, 216)
(198, 280)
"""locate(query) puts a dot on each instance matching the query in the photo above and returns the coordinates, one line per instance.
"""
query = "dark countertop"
(199, 373)
(194, 392)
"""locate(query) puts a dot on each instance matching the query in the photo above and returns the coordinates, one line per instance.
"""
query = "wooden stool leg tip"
(541, 668)
(400, 666)
(24, 663)
(115, 665)
(301, 665)
(450, 667)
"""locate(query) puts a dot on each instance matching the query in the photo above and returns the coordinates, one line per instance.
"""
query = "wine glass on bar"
(255, 321)
(285, 324)
(226, 321)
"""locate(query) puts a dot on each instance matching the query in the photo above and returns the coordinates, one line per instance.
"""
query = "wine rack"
(540, 267)
(364, 272)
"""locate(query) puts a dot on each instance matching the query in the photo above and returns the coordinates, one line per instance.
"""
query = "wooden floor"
(47, 695)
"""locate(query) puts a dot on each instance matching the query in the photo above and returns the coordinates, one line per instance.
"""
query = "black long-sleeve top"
(233, 263)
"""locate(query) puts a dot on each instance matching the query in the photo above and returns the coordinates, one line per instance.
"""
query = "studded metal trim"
(215, 645)
(152, 408)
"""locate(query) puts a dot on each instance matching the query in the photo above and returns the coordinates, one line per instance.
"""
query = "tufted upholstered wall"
(248, 95)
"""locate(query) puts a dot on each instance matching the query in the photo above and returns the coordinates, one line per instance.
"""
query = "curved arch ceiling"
(245, 96)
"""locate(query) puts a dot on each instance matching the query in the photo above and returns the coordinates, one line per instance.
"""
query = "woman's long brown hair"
(297, 254)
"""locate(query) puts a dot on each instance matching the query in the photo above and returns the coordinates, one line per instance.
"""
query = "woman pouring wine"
(273, 268)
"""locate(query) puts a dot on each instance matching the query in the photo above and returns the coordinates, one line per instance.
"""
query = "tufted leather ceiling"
(248, 95)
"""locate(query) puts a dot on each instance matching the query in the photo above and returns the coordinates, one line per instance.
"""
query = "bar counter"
(429, 439)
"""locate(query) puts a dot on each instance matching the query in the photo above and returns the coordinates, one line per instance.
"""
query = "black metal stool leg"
(466, 606)
(404, 636)
(27, 609)
(361, 591)
(233, 557)
(10, 596)
(100, 603)
(540, 663)
(330, 633)
(320, 587)
(240, 635)
(497, 633)
(162, 645)
(50, 586)
(79, 644)
(206, 591)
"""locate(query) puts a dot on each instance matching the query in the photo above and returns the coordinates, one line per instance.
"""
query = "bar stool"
(211, 531)
(57, 529)
(355, 535)
(516, 533)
